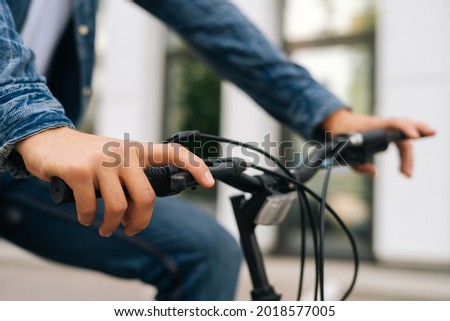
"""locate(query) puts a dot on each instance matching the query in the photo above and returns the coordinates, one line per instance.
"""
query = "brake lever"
(220, 168)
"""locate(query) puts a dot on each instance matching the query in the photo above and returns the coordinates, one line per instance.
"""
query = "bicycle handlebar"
(347, 149)
(169, 180)
(165, 180)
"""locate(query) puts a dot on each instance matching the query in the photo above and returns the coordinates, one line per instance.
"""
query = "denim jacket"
(214, 29)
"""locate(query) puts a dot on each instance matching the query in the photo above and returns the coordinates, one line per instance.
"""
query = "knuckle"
(184, 158)
(118, 207)
(176, 145)
(177, 150)
(144, 203)
(117, 151)
(147, 199)
(80, 172)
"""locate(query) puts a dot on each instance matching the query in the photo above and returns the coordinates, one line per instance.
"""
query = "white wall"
(412, 216)
(132, 43)
(242, 119)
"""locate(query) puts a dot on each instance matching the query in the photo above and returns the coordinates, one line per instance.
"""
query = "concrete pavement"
(26, 277)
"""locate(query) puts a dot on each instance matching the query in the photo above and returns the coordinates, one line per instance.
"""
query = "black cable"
(350, 238)
(335, 216)
(302, 244)
(237, 143)
(304, 207)
(290, 177)
(322, 232)
(304, 204)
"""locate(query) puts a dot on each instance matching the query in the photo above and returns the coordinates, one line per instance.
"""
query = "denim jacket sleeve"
(237, 50)
(26, 105)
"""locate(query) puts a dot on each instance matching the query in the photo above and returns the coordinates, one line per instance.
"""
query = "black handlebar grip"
(159, 178)
(165, 180)
(394, 136)
(60, 192)
(375, 140)
(378, 140)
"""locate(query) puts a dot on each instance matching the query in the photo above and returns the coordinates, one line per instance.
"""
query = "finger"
(412, 129)
(114, 200)
(85, 201)
(406, 157)
(179, 156)
(141, 200)
(367, 168)
(425, 130)
(408, 127)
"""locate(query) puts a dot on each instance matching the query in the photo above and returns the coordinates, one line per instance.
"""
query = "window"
(192, 102)
(334, 40)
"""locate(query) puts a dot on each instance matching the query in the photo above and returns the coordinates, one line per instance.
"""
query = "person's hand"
(344, 121)
(88, 162)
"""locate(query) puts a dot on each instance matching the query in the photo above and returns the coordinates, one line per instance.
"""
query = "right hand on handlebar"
(344, 121)
(79, 160)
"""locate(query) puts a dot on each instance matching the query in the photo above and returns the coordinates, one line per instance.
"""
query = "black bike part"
(170, 180)
(347, 149)
(165, 180)
(159, 178)
(245, 212)
(184, 137)
(315, 161)
(322, 233)
(362, 146)
(305, 208)
(336, 217)
(194, 135)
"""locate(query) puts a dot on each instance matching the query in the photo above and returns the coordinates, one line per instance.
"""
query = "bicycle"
(271, 196)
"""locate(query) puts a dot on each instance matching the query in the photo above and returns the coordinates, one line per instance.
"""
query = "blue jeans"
(183, 252)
